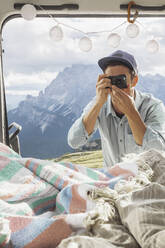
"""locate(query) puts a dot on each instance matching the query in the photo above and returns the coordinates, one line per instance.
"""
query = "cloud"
(32, 59)
(28, 84)
(21, 93)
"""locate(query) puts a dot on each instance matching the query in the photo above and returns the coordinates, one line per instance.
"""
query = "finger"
(102, 81)
(120, 91)
(109, 91)
(103, 85)
(119, 95)
(116, 96)
(116, 89)
(115, 92)
(116, 101)
(101, 76)
(105, 91)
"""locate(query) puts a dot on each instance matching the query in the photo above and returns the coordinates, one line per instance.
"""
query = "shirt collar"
(138, 99)
(109, 107)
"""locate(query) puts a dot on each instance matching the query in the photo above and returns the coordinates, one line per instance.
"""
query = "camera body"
(119, 81)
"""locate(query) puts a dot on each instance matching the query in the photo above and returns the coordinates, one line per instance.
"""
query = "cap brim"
(104, 62)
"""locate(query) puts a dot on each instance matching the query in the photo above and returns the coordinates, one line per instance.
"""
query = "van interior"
(51, 194)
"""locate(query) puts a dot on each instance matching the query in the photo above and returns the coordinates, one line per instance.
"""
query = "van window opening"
(48, 83)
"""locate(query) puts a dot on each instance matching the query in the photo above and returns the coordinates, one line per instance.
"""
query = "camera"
(120, 81)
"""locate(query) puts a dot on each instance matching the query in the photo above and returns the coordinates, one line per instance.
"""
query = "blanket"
(141, 221)
(89, 207)
(29, 187)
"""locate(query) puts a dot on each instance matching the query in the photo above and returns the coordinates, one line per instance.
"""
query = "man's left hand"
(124, 103)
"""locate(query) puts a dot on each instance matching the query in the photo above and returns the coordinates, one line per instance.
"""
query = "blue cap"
(125, 58)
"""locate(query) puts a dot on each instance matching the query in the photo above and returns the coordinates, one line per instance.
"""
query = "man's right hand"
(102, 89)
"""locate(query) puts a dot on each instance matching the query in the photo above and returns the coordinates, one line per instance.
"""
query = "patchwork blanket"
(88, 207)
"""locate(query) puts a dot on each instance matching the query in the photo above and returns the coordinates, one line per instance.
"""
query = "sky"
(31, 59)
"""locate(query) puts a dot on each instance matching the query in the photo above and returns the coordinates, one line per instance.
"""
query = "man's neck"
(119, 115)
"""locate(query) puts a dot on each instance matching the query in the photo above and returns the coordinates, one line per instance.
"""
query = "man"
(128, 121)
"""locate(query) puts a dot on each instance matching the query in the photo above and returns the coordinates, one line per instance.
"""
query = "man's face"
(118, 70)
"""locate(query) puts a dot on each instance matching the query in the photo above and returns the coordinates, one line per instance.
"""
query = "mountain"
(154, 84)
(74, 86)
(14, 100)
(46, 119)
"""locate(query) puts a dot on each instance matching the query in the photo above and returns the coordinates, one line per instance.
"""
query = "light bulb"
(114, 40)
(152, 46)
(28, 12)
(132, 30)
(85, 44)
(56, 33)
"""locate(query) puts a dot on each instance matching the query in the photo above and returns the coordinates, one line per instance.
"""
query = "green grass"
(90, 159)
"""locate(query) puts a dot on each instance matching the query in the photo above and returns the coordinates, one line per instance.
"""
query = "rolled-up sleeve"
(154, 136)
(77, 135)
(154, 139)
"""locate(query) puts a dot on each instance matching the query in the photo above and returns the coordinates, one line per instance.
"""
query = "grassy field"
(91, 159)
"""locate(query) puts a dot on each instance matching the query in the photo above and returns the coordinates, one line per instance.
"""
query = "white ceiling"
(105, 7)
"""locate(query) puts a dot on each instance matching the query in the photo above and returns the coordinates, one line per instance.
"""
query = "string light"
(114, 40)
(28, 12)
(132, 30)
(152, 46)
(85, 44)
(56, 33)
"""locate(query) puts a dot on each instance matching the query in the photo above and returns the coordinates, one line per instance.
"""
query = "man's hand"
(125, 104)
(103, 89)
(122, 101)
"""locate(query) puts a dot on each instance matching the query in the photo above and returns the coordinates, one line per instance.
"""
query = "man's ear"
(134, 81)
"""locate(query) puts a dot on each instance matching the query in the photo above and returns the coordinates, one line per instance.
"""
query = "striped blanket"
(31, 187)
